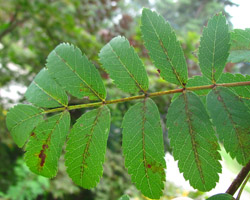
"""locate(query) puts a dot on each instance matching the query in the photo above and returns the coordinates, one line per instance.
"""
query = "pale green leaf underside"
(214, 47)
(221, 197)
(193, 141)
(232, 120)
(240, 46)
(124, 66)
(75, 73)
(124, 197)
(21, 120)
(142, 145)
(45, 92)
(164, 49)
(242, 91)
(45, 145)
(86, 147)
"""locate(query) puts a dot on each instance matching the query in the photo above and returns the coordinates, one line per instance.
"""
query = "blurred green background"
(30, 29)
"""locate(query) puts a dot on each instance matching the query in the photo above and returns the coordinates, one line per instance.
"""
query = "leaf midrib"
(47, 93)
(67, 64)
(233, 123)
(166, 52)
(124, 66)
(193, 141)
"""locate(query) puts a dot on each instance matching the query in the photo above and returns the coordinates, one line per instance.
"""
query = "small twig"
(239, 179)
(242, 187)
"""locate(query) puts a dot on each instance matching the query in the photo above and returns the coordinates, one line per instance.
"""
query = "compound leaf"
(45, 92)
(142, 144)
(164, 49)
(232, 120)
(193, 141)
(21, 120)
(240, 46)
(86, 147)
(224, 196)
(45, 145)
(75, 73)
(124, 66)
(214, 47)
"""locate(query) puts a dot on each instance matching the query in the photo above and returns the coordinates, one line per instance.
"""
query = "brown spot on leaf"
(159, 71)
(42, 154)
(32, 134)
(81, 125)
(219, 98)
(148, 166)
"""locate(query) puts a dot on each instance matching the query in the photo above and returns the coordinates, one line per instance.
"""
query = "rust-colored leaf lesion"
(42, 155)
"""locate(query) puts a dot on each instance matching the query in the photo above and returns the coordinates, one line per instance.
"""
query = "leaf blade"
(166, 52)
(21, 120)
(45, 145)
(75, 73)
(240, 46)
(214, 47)
(193, 141)
(86, 147)
(124, 66)
(146, 164)
(231, 119)
(45, 92)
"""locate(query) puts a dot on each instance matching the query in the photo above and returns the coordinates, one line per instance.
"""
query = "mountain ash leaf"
(21, 120)
(75, 73)
(214, 47)
(86, 147)
(193, 140)
(142, 145)
(45, 145)
(163, 47)
(231, 118)
(45, 92)
(124, 66)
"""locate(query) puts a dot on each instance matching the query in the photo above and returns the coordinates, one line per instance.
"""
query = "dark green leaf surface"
(142, 144)
(85, 150)
(124, 66)
(242, 91)
(232, 120)
(45, 92)
(193, 141)
(221, 197)
(164, 49)
(214, 47)
(240, 46)
(75, 73)
(45, 145)
(21, 120)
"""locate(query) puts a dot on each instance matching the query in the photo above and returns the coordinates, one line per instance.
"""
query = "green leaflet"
(232, 120)
(142, 144)
(240, 46)
(75, 73)
(214, 47)
(21, 120)
(124, 66)
(45, 145)
(193, 141)
(221, 197)
(164, 49)
(242, 91)
(124, 197)
(45, 92)
(86, 147)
